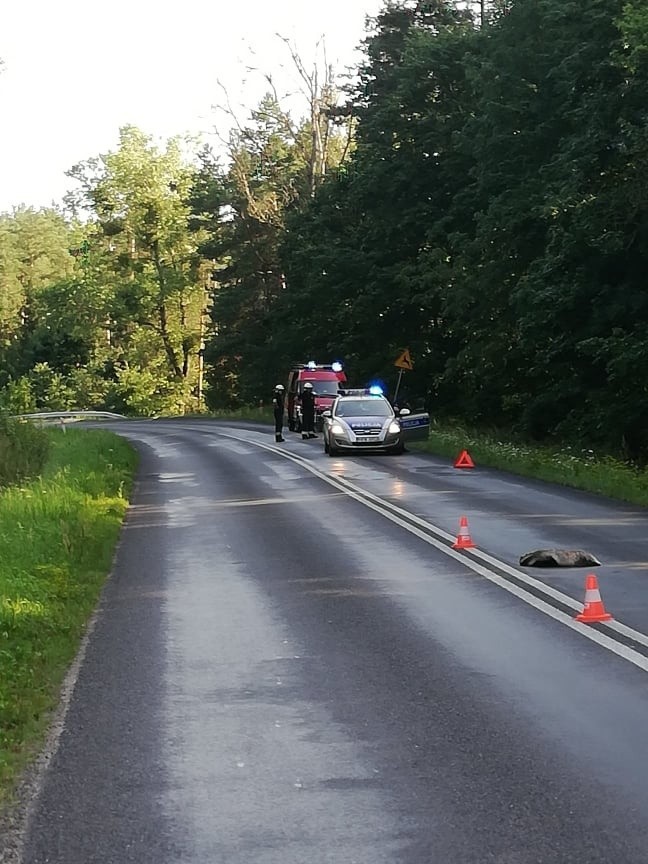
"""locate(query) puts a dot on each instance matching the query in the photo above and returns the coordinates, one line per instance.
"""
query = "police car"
(362, 420)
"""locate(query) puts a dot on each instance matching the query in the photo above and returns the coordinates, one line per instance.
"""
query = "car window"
(321, 388)
(362, 408)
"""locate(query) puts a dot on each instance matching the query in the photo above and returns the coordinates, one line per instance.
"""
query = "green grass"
(57, 539)
(580, 469)
(24, 449)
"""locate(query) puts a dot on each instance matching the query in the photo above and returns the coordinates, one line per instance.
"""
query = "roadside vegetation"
(58, 530)
(578, 468)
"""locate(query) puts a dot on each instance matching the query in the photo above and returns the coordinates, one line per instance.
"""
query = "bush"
(23, 450)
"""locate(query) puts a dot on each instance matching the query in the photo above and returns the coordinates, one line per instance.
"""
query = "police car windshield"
(363, 408)
(323, 388)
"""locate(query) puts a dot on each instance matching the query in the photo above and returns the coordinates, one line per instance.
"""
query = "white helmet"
(308, 386)
(279, 387)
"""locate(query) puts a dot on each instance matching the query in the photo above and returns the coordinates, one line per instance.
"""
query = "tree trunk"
(170, 351)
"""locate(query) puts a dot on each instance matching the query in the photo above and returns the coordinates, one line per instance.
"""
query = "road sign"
(464, 460)
(404, 361)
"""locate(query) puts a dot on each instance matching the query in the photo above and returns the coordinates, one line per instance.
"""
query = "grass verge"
(580, 469)
(57, 540)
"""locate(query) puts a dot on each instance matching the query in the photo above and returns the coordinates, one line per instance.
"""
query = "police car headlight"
(336, 429)
(394, 429)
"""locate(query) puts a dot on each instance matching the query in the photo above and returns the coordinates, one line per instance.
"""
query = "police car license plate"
(364, 439)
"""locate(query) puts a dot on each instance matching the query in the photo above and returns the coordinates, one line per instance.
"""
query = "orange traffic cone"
(464, 540)
(464, 460)
(594, 610)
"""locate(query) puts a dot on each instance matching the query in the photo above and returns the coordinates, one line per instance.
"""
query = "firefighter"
(278, 411)
(308, 412)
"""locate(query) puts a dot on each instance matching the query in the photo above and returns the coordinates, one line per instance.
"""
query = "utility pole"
(201, 366)
(209, 288)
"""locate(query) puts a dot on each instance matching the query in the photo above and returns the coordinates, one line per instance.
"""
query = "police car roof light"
(311, 365)
(375, 390)
(359, 391)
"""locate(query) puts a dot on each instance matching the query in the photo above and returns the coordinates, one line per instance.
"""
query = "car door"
(416, 427)
(290, 398)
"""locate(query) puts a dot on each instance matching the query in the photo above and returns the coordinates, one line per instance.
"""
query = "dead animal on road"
(559, 558)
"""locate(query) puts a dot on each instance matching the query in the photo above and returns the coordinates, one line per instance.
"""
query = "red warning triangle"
(463, 460)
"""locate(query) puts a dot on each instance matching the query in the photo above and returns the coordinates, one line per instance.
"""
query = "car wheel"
(333, 451)
(398, 451)
(326, 446)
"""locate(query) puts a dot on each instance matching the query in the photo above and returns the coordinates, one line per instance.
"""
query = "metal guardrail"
(63, 417)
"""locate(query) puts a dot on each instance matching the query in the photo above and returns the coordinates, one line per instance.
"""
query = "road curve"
(281, 674)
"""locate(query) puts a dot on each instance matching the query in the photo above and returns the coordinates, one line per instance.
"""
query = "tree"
(353, 255)
(144, 247)
(34, 253)
(274, 164)
(250, 199)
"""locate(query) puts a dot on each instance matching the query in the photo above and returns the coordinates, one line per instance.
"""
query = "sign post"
(404, 364)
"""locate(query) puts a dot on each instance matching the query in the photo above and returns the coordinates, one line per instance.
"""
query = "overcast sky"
(77, 70)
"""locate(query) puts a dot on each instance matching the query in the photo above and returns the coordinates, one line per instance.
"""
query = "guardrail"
(63, 417)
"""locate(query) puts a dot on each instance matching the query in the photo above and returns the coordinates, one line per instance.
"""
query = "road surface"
(290, 665)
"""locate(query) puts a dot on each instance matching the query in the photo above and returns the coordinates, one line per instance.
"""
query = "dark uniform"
(308, 412)
(278, 411)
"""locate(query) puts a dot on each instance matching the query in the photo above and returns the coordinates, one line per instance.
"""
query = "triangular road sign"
(463, 460)
(404, 361)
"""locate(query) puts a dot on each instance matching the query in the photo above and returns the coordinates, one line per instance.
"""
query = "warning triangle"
(404, 361)
(463, 460)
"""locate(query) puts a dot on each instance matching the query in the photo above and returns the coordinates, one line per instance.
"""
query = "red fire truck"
(326, 381)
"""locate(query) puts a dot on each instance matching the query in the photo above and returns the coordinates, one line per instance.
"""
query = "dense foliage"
(105, 309)
(479, 195)
(493, 219)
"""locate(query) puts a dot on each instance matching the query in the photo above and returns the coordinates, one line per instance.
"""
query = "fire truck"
(326, 381)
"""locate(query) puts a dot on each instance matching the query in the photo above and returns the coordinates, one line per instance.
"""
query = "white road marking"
(398, 516)
(233, 447)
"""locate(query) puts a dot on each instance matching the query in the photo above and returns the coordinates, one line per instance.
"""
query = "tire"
(333, 451)
(398, 451)
(326, 446)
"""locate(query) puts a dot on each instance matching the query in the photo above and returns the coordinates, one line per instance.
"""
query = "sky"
(77, 70)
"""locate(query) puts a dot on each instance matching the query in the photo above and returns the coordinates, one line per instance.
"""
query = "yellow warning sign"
(404, 361)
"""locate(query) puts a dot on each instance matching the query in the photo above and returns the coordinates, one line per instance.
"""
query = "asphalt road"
(290, 665)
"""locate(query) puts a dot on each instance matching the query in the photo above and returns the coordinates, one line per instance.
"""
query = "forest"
(477, 193)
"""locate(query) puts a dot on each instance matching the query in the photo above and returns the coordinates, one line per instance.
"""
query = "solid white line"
(393, 513)
(565, 599)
